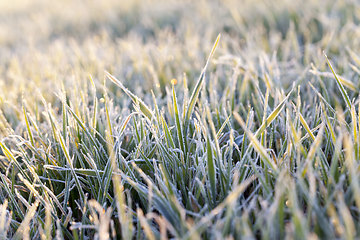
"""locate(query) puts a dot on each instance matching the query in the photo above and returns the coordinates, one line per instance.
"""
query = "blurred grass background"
(44, 45)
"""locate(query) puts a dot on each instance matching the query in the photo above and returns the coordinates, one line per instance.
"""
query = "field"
(165, 119)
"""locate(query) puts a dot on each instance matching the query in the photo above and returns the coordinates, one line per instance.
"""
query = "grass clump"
(119, 124)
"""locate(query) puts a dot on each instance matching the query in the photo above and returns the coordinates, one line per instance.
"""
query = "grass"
(137, 120)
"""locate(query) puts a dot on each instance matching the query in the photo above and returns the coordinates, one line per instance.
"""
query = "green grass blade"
(143, 107)
(273, 115)
(257, 146)
(340, 86)
(178, 125)
(196, 91)
(211, 169)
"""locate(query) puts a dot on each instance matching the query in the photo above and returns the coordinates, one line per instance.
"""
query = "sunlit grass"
(135, 119)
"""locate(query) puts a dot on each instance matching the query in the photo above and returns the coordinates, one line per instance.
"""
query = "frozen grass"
(132, 120)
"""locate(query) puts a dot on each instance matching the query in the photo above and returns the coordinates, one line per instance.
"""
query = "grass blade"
(196, 91)
(143, 107)
(340, 86)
